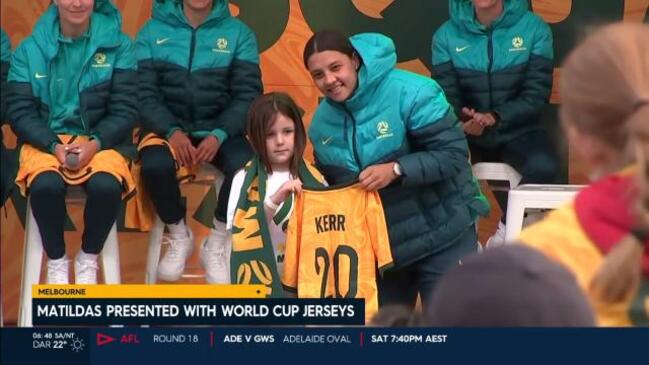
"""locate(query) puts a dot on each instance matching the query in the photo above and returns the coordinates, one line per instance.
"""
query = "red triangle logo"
(103, 339)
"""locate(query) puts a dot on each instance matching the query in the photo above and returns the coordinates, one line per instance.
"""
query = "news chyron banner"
(319, 345)
(231, 305)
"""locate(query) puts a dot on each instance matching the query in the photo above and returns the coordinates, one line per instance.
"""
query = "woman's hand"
(60, 152)
(467, 114)
(85, 151)
(473, 128)
(377, 177)
(485, 119)
(207, 149)
(183, 148)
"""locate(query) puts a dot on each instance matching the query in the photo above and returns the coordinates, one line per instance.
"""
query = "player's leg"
(159, 176)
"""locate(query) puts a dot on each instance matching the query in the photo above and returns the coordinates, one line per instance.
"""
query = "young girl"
(72, 102)
(278, 138)
(603, 235)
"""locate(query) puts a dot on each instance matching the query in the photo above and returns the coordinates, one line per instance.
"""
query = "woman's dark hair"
(262, 114)
(327, 40)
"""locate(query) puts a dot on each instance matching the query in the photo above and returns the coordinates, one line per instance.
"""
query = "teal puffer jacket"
(396, 115)
(107, 87)
(8, 158)
(505, 68)
(201, 80)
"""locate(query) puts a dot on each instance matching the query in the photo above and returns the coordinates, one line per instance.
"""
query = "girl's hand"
(291, 186)
(377, 177)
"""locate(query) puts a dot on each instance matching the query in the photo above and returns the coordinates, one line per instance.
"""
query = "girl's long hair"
(262, 114)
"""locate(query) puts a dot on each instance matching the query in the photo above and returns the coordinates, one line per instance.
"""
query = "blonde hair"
(605, 93)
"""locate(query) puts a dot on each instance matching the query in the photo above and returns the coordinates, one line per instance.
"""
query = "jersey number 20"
(322, 265)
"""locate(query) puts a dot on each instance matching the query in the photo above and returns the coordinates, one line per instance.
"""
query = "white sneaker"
(498, 239)
(172, 265)
(85, 271)
(480, 248)
(215, 260)
(57, 272)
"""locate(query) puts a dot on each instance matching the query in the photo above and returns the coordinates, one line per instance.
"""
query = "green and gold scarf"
(253, 257)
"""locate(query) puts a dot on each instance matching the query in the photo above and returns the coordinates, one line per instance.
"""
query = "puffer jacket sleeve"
(245, 85)
(444, 71)
(4, 70)
(5, 48)
(534, 92)
(122, 102)
(155, 116)
(441, 150)
(22, 108)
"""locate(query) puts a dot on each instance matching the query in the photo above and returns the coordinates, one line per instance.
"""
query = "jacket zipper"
(357, 159)
(81, 108)
(189, 76)
(490, 53)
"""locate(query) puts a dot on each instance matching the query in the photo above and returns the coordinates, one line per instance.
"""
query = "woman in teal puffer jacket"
(395, 132)
(72, 104)
(7, 157)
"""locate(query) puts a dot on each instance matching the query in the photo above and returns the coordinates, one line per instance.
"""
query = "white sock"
(82, 256)
(217, 234)
(178, 229)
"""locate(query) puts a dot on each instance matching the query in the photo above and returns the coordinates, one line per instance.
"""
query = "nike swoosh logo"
(460, 49)
(160, 41)
(325, 141)
(39, 76)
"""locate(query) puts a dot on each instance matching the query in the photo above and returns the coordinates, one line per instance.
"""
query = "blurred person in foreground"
(603, 235)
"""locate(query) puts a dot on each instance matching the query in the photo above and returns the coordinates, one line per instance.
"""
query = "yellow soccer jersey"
(336, 239)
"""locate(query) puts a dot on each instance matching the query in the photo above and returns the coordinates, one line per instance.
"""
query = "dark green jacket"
(505, 69)
(5, 61)
(201, 80)
(8, 158)
(107, 87)
(395, 115)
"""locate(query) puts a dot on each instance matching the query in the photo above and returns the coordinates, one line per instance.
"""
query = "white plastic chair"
(534, 196)
(208, 175)
(33, 257)
(497, 171)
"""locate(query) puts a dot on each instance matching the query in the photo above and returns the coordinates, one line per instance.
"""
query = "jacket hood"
(463, 14)
(604, 212)
(379, 57)
(105, 27)
(171, 12)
